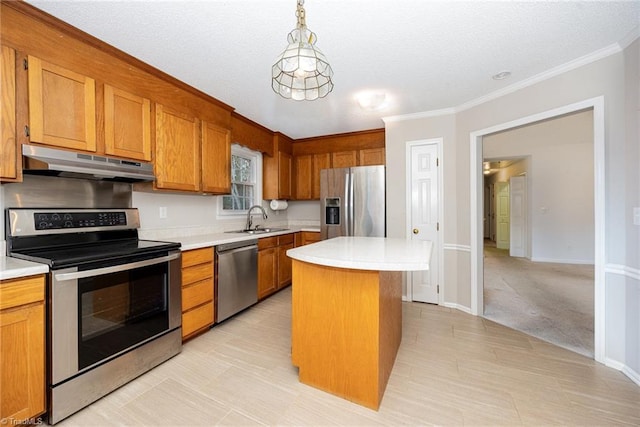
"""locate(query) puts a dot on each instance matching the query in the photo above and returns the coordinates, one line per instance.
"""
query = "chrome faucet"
(249, 220)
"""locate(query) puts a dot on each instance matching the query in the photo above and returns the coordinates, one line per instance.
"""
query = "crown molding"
(553, 72)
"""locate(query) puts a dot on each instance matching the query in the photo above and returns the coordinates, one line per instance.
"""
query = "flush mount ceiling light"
(372, 101)
(301, 71)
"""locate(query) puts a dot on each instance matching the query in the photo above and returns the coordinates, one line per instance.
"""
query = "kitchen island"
(347, 312)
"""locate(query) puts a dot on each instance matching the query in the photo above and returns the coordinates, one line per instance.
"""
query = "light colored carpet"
(553, 302)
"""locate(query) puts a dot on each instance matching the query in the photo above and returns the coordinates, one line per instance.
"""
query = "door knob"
(416, 231)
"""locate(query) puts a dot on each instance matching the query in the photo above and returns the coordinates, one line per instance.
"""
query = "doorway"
(551, 300)
(477, 238)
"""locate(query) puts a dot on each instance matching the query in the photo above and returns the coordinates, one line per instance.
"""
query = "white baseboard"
(457, 307)
(455, 247)
(563, 261)
(635, 376)
(618, 366)
(614, 364)
(632, 273)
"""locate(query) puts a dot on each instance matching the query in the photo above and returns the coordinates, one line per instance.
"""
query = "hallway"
(553, 302)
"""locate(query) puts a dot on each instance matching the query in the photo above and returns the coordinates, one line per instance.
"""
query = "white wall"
(560, 184)
(609, 78)
(305, 212)
(189, 214)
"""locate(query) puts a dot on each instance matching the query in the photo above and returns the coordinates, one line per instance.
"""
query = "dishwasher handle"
(244, 245)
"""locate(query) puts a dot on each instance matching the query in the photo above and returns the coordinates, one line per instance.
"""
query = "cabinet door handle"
(416, 231)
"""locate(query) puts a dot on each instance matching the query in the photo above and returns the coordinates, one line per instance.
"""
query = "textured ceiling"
(425, 55)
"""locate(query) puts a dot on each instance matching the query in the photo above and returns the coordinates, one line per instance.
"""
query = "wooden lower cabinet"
(307, 237)
(22, 350)
(274, 266)
(285, 242)
(198, 302)
(267, 266)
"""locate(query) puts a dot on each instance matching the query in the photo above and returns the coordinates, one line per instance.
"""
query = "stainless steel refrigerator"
(352, 202)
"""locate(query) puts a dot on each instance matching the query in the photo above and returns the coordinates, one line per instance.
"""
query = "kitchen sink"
(258, 230)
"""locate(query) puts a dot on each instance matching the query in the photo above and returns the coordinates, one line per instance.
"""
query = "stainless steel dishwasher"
(237, 277)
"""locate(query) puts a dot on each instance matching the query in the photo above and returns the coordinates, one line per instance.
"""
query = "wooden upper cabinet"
(127, 124)
(62, 106)
(344, 159)
(307, 175)
(320, 161)
(302, 169)
(8, 144)
(177, 150)
(371, 156)
(285, 165)
(277, 170)
(216, 159)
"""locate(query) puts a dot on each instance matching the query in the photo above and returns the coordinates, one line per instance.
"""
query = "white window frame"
(256, 161)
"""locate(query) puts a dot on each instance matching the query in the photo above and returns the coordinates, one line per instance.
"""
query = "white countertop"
(207, 240)
(367, 253)
(11, 268)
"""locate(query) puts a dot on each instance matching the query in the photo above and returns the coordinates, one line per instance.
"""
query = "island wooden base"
(346, 329)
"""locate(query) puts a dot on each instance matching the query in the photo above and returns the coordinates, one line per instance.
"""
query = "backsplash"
(162, 215)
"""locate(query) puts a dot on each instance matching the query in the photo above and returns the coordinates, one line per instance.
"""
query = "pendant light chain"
(301, 72)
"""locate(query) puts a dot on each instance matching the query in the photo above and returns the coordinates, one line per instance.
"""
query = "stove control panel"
(25, 222)
(58, 220)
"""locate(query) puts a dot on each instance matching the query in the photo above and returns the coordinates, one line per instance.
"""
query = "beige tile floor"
(452, 369)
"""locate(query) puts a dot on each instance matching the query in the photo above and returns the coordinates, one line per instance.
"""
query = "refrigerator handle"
(348, 209)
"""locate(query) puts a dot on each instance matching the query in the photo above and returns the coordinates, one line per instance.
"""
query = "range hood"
(49, 161)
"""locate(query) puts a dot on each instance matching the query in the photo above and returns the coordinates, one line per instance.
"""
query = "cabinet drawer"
(196, 319)
(310, 237)
(197, 256)
(267, 242)
(197, 273)
(285, 239)
(197, 293)
(16, 292)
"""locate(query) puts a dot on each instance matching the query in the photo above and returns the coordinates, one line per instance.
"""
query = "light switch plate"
(162, 212)
(636, 216)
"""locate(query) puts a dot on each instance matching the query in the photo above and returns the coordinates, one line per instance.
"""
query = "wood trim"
(71, 31)
(9, 168)
(250, 134)
(360, 140)
(282, 142)
(35, 33)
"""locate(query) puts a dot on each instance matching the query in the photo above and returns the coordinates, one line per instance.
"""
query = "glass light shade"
(302, 72)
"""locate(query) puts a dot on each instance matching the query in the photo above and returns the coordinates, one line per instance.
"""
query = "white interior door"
(424, 218)
(518, 220)
(502, 215)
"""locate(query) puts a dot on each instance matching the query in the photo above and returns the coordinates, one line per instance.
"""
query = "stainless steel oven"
(113, 301)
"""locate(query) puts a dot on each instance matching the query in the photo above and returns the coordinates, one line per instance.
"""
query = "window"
(246, 182)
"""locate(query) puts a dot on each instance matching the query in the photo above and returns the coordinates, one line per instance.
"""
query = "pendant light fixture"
(302, 71)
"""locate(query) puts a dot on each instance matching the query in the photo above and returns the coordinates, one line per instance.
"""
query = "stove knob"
(42, 226)
(68, 217)
(68, 224)
(55, 217)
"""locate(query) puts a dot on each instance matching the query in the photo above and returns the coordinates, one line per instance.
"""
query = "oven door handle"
(114, 269)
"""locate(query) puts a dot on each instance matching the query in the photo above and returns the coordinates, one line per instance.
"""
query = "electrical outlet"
(163, 212)
(636, 216)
